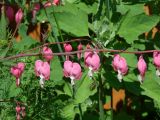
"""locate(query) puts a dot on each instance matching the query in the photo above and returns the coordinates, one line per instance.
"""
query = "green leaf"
(14, 91)
(133, 9)
(130, 59)
(56, 71)
(68, 112)
(133, 26)
(68, 89)
(73, 24)
(84, 90)
(69, 17)
(151, 84)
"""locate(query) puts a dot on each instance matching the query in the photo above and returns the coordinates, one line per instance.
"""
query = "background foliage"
(112, 24)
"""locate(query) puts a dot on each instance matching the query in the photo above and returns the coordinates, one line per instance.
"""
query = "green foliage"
(109, 24)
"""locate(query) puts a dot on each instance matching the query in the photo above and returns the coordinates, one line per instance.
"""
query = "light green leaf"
(84, 90)
(56, 71)
(133, 26)
(151, 84)
(14, 91)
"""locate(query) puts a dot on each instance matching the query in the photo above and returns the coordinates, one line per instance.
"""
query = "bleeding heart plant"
(72, 70)
(18, 110)
(17, 71)
(120, 65)
(92, 61)
(142, 67)
(42, 70)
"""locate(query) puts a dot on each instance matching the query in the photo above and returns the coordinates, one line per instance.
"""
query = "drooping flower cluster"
(73, 70)
(20, 111)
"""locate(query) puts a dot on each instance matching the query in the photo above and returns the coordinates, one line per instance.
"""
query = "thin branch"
(80, 51)
(52, 43)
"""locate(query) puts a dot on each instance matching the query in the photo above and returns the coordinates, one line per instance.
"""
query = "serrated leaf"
(68, 112)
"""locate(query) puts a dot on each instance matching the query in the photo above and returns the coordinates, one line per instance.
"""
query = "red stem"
(80, 51)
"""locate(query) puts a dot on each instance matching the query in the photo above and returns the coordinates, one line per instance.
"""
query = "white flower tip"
(140, 78)
(158, 73)
(41, 81)
(72, 82)
(90, 73)
(120, 77)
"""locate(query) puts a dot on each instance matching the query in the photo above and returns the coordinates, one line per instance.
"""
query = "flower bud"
(19, 16)
(80, 47)
(47, 53)
(10, 13)
(142, 67)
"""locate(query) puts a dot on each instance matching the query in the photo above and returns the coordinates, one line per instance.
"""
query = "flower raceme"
(156, 62)
(120, 65)
(47, 53)
(19, 16)
(72, 70)
(142, 67)
(18, 110)
(17, 71)
(92, 61)
(42, 70)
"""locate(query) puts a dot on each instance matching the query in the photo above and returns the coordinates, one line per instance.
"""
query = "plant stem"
(53, 33)
(107, 9)
(101, 110)
(80, 112)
